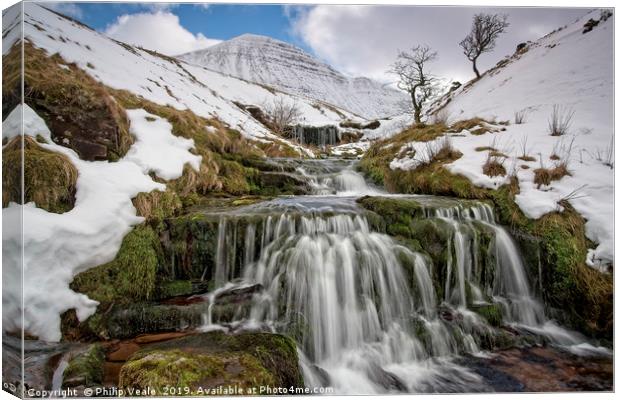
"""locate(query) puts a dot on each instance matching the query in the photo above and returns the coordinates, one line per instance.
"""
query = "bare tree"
(281, 114)
(413, 76)
(481, 39)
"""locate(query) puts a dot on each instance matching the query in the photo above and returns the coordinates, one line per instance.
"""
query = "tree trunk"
(417, 115)
(417, 109)
(475, 68)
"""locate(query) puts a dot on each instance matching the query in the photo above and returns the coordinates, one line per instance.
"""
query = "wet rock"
(158, 337)
(543, 369)
(85, 369)
(283, 183)
(215, 360)
(176, 314)
(122, 351)
(387, 380)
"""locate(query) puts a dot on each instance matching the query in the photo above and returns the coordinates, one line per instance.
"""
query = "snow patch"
(59, 246)
(156, 149)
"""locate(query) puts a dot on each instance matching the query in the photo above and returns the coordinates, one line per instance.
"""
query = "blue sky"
(357, 40)
(217, 21)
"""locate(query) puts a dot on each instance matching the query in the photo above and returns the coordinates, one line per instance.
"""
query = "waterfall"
(336, 179)
(356, 300)
(363, 308)
(321, 136)
(511, 287)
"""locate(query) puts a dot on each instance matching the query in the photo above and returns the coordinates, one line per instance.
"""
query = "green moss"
(85, 369)
(491, 312)
(215, 359)
(174, 288)
(159, 370)
(130, 276)
(49, 178)
(398, 214)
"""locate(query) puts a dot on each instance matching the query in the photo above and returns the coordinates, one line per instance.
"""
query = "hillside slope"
(158, 78)
(569, 71)
(272, 62)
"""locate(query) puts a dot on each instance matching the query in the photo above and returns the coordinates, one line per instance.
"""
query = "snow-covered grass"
(59, 246)
(561, 92)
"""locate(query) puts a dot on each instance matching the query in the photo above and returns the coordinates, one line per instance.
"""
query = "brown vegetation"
(49, 177)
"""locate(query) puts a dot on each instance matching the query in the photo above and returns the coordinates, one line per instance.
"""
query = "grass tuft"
(49, 177)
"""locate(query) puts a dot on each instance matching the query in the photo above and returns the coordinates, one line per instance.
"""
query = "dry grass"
(484, 148)
(494, 166)
(72, 103)
(496, 153)
(156, 206)
(560, 120)
(544, 176)
(219, 146)
(527, 158)
(481, 126)
(520, 117)
(49, 178)
(419, 133)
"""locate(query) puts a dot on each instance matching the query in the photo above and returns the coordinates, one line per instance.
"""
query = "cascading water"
(336, 177)
(363, 308)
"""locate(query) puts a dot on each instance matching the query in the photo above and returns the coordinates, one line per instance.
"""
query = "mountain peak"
(268, 61)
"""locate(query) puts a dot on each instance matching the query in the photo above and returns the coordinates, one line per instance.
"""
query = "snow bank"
(59, 246)
(569, 69)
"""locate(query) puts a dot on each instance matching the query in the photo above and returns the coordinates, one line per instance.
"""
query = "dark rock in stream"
(177, 314)
(542, 369)
(283, 183)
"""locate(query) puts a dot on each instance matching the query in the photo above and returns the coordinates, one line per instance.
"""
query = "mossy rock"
(49, 177)
(85, 369)
(130, 277)
(174, 288)
(276, 183)
(212, 360)
(398, 214)
(491, 312)
(177, 313)
(191, 244)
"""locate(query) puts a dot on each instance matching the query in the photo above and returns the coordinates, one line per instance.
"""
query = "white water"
(364, 308)
(333, 178)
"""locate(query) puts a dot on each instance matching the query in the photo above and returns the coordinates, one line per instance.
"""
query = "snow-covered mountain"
(161, 79)
(267, 61)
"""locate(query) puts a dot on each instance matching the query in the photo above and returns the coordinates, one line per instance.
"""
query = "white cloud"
(160, 31)
(70, 9)
(364, 40)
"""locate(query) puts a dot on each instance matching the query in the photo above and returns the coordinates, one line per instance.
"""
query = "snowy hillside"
(572, 72)
(158, 78)
(275, 63)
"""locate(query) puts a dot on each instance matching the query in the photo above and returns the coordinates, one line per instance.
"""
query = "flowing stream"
(364, 309)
